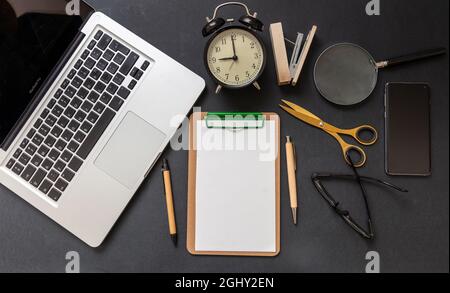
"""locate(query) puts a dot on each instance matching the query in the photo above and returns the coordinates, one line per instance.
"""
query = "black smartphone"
(407, 129)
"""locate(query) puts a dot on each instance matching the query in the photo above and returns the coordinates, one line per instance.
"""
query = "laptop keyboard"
(95, 88)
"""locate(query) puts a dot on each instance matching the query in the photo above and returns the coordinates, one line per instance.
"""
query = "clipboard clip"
(235, 120)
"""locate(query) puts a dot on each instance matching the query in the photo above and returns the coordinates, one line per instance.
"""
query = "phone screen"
(408, 135)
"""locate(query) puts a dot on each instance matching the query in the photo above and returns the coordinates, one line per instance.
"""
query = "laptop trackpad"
(131, 150)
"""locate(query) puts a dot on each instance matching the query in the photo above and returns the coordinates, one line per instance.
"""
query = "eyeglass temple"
(318, 176)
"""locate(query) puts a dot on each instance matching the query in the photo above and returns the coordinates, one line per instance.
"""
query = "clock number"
(256, 55)
(227, 76)
(234, 37)
(213, 59)
(224, 41)
(247, 74)
(217, 49)
(237, 78)
(218, 69)
(243, 39)
(254, 66)
(252, 45)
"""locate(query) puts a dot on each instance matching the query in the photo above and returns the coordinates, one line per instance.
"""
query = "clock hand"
(228, 58)
(234, 49)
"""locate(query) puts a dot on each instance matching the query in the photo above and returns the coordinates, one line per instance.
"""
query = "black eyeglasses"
(317, 179)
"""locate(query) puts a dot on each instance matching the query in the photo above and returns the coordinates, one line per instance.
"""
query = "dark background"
(412, 230)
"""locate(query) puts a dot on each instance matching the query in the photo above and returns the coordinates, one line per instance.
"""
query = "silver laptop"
(86, 109)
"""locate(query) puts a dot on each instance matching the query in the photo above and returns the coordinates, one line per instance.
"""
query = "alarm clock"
(235, 55)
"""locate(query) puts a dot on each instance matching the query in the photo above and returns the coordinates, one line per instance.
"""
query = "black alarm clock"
(235, 55)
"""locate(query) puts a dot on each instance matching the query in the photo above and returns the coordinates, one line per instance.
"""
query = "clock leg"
(218, 89)
(256, 85)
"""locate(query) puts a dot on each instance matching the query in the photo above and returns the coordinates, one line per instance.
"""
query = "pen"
(292, 168)
(169, 201)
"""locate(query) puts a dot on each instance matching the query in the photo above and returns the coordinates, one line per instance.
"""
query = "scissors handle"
(362, 155)
(356, 133)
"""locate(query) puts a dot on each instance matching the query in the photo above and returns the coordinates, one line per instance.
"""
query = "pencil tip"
(174, 239)
(294, 215)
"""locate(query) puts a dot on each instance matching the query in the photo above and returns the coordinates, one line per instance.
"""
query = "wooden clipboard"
(191, 214)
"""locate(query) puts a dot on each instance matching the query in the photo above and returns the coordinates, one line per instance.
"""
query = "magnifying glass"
(346, 74)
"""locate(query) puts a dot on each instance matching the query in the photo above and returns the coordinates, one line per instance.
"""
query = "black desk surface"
(412, 230)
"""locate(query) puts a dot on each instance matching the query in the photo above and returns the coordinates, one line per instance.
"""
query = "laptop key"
(73, 146)
(95, 134)
(132, 85)
(80, 116)
(145, 65)
(86, 127)
(108, 55)
(78, 64)
(119, 78)
(77, 82)
(60, 145)
(24, 143)
(50, 141)
(89, 83)
(54, 194)
(112, 68)
(64, 101)
(76, 103)
(51, 104)
(98, 35)
(92, 45)
(96, 54)
(67, 175)
(70, 91)
(119, 59)
(45, 113)
(43, 150)
(61, 185)
(10, 163)
(95, 74)
(100, 87)
(93, 97)
(116, 46)
(85, 54)
(89, 63)
(106, 77)
(53, 175)
(56, 131)
(105, 98)
(17, 169)
(31, 133)
(112, 89)
(47, 164)
(83, 72)
(57, 111)
(123, 93)
(38, 177)
(38, 139)
(79, 137)
(45, 186)
(66, 156)
(63, 121)
(82, 93)
(104, 42)
(65, 84)
(70, 112)
(73, 125)
(102, 64)
(59, 166)
(75, 164)
(44, 130)
(36, 161)
(17, 154)
(28, 172)
(99, 108)
(31, 149)
(51, 120)
(116, 103)
(129, 63)
(24, 159)
(58, 94)
(38, 123)
(87, 106)
(54, 155)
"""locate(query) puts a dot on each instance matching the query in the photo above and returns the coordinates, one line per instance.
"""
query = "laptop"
(86, 109)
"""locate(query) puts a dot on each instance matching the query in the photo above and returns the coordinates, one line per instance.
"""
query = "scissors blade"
(302, 114)
(302, 117)
(300, 110)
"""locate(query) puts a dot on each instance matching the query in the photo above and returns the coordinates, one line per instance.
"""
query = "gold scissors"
(307, 117)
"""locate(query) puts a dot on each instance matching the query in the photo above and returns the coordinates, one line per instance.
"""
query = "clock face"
(235, 57)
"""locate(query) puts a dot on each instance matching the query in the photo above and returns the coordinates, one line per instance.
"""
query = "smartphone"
(407, 129)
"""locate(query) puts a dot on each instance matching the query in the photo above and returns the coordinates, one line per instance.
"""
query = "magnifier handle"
(413, 57)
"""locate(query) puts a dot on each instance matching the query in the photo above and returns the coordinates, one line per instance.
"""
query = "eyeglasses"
(317, 179)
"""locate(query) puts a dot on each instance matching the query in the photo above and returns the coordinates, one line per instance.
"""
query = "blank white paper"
(236, 193)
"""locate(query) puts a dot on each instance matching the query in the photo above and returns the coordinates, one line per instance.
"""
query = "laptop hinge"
(42, 91)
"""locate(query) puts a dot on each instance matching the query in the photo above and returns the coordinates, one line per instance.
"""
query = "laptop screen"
(33, 37)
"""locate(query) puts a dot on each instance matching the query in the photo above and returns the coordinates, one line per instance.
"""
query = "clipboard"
(264, 119)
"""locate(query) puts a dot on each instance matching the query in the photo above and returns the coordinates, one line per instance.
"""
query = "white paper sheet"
(236, 190)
